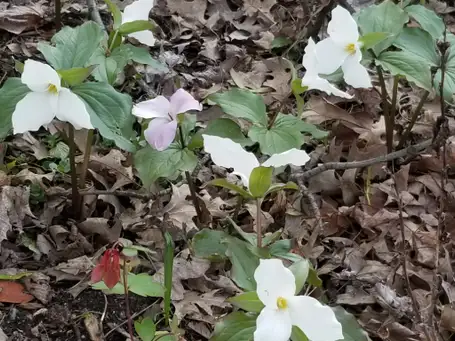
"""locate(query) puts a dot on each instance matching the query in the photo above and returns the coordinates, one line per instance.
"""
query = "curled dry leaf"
(18, 19)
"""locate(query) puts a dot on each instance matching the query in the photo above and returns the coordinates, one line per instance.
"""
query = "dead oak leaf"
(180, 210)
(18, 19)
(193, 301)
(13, 292)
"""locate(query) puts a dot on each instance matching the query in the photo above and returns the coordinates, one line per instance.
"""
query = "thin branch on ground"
(409, 151)
(385, 109)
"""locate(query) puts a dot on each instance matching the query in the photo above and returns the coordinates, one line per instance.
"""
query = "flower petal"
(355, 74)
(157, 107)
(293, 156)
(144, 37)
(273, 280)
(182, 101)
(72, 109)
(343, 28)
(318, 83)
(330, 56)
(317, 321)
(33, 111)
(38, 76)
(309, 60)
(97, 274)
(160, 133)
(273, 325)
(138, 10)
(228, 154)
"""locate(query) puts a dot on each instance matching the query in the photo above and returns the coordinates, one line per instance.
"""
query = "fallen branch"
(411, 150)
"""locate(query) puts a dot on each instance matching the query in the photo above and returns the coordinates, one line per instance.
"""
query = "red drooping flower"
(108, 269)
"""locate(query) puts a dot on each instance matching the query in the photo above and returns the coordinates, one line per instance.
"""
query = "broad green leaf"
(152, 164)
(116, 14)
(110, 112)
(237, 326)
(207, 244)
(129, 252)
(118, 289)
(427, 19)
(135, 26)
(386, 17)
(142, 56)
(244, 263)
(251, 238)
(108, 67)
(145, 328)
(248, 301)
(281, 42)
(60, 151)
(168, 337)
(282, 136)
(73, 46)
(226, 184)
(302, 126)
(419, 43)
(75, 76)
(298, 335)
(10, 94)
(144, 285)
(313, 278)
(224, 127)
(351, 328)
(373, 38)
(242, 104)
(279, 187)
(406, 64)
(300, 270)
(260, 181)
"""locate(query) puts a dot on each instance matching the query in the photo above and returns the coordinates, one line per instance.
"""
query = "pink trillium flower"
(162, 129)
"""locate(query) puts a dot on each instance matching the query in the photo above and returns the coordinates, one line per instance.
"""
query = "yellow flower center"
(281, 303)
(350, 48)
(52, 89)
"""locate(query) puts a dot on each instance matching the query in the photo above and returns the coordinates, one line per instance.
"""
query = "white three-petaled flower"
(342, 48)
(228, 154)
(162, 129)
(46, 101)
(311, 78)
(276, 289)
(139, 10)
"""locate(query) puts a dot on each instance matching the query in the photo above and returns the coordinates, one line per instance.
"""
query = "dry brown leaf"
(26, 142)
(184, 268)
(180, 210)
(13, 292)
(192, 301)
(18, 19)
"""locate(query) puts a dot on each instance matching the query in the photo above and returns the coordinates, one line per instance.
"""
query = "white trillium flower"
(342, 48)
(46, 101)
(311, 78)
(276, 290)
(139, 10)
(228, 154)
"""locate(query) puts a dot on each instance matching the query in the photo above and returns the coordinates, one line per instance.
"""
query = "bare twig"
(385, 109)
(392, 111)
(127, 302)
(411, 150)
(259, 222)
(414, 117)
(93, 13)
(74, 190)
(131, 194)
(415, 306)
(58, 15)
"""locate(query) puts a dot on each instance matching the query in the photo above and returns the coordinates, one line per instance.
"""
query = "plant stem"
(385, 106)
(393, 108)
(168, 271)
(259, 222)
(189, 179)
(75, 197)
(272, 120)
(87, 152)
(58, 15)
(414, 117)
(127, 301)
(113, 41)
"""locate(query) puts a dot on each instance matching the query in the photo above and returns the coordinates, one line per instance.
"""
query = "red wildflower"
(108, 269)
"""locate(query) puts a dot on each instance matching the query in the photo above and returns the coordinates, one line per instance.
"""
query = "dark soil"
(63, 317)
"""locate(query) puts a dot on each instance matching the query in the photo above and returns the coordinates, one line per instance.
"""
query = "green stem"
(113, 41)
(259, 222)
(168, 271)
(75, 197)
(272, 120)
(87, 152)
(191, 185)
(414, 117)
(127, 301)
(386, 108)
